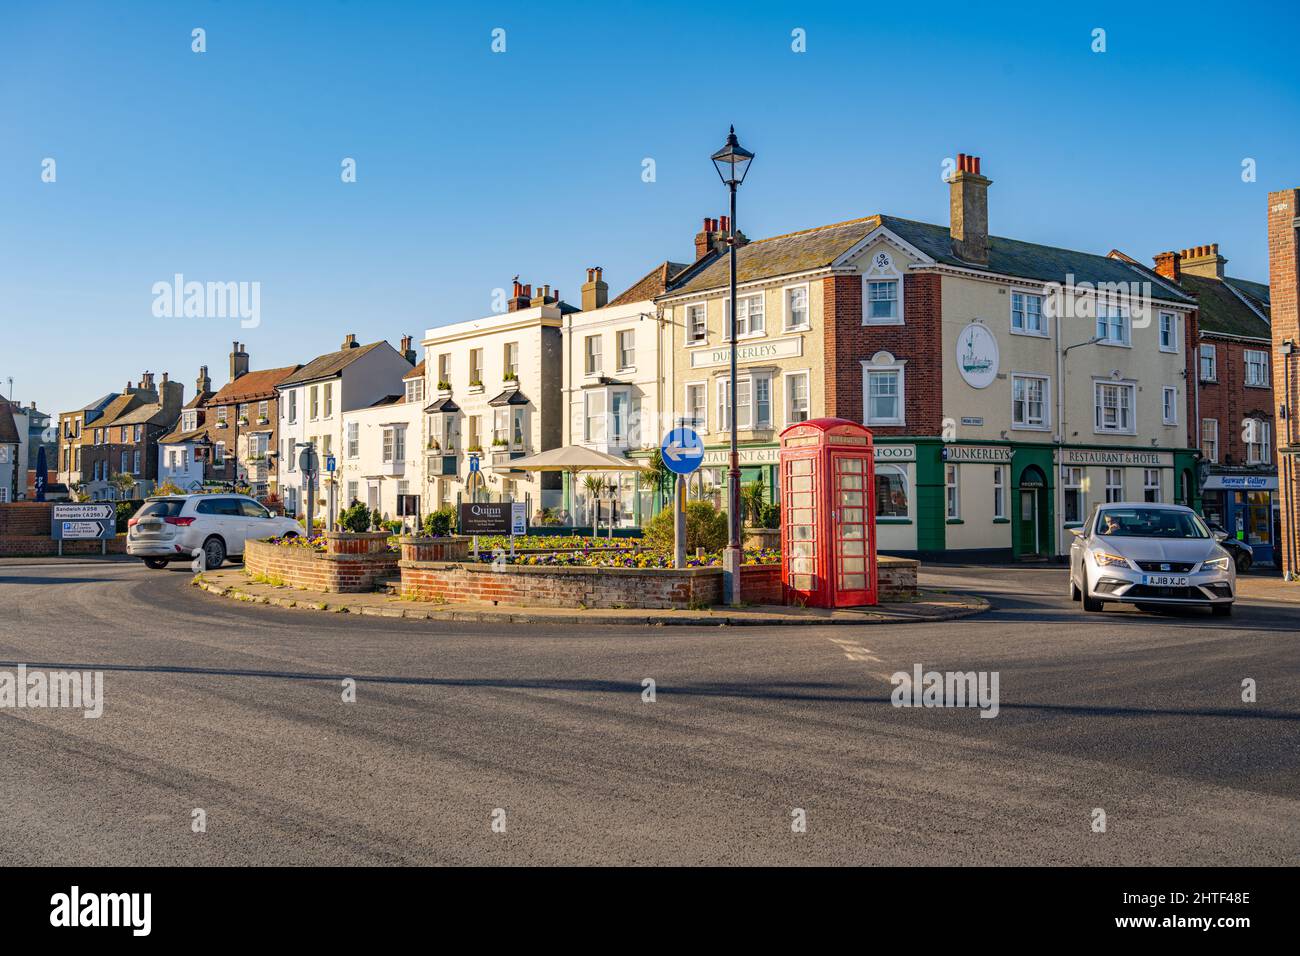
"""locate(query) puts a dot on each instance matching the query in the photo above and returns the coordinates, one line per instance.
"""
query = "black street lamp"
(732, 163)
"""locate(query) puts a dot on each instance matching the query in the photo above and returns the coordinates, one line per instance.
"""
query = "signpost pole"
(679, 522)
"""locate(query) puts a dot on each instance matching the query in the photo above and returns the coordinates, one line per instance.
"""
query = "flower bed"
(557, 542)
(622, 558)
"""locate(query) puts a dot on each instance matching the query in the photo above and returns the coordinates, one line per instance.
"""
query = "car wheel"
(1243, 563)
(214, 553)
(1090, 603)
(156, 564)
(1221, 610)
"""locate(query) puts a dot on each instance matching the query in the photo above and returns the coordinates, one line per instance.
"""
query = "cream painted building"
(1010, 386)
(493, 387)
(617, 358)
(381, 454)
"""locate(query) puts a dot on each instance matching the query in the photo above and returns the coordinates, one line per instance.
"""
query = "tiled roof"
(116, 409)
(1255, 290)
(252, 386)
(417, 372)
(387, 400)
(199, 400)
(511, 396)
(817, 248)
(653, 283)
(1222, 310)
(443, 406)
(8, 428)
(178, 436)
(149, 413)
(329, 365)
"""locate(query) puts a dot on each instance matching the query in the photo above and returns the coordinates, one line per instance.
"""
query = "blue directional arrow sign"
(682, 450)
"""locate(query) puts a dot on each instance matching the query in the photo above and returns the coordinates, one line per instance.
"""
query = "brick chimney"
(596, 291)
(1203, 261)
(408, 352)
(146, 381)
(1284, 291)
(203, 383)
(349, 342)
(1168, 264)
(520, 296)
(238, 361)
(709, 237)
(968, 205)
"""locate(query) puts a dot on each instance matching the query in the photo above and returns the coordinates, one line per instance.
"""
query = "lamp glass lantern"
(732, 161)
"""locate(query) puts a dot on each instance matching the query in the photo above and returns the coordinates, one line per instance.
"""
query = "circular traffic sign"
(682, 450)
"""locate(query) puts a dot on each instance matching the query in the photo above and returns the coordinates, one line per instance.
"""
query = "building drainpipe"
(1058, 495)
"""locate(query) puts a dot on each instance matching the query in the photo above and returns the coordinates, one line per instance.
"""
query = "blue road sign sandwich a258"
(682, 450)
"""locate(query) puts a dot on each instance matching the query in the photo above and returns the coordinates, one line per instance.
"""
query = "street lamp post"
(732, 162)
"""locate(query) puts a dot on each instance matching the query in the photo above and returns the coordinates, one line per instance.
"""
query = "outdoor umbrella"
(574, 459)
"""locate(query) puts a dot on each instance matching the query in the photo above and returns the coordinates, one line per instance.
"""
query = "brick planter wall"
(26, 518)
(314, 571)
(25, 533)
(350, 542)
(531, 586)
(39, 546)
(451, 548)
(896, 577)
(760, 583)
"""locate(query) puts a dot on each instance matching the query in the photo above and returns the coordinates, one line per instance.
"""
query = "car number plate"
(1165, 580)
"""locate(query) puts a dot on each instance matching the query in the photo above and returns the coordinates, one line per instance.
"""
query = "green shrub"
(771, 517)
(125, 512)
(705, 528)
(439, 523)
(355, 518)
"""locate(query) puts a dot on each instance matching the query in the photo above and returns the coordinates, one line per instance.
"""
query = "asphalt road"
(238, 710)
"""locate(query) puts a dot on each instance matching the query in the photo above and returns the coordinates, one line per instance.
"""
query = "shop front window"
(891, 492)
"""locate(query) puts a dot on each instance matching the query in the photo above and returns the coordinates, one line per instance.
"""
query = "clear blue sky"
(474, 166)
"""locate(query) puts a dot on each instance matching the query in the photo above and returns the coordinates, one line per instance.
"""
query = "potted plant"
(511, 376)
(444, 385)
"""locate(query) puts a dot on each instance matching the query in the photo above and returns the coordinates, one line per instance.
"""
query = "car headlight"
(1105, 559)
(1217, 564)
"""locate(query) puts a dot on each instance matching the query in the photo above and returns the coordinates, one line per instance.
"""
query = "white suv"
(169, 529)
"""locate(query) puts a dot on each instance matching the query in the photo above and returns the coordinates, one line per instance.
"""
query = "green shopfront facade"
(1010, 500)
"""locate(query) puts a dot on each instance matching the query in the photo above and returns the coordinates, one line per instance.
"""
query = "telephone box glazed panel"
(828, 518)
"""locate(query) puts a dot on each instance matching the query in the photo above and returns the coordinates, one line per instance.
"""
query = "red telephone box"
(828, 516)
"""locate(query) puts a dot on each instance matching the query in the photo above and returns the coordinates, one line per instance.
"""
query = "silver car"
(1144, 553)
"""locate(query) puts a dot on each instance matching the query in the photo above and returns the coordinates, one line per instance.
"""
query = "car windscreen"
(1150, 523)
(162, 508)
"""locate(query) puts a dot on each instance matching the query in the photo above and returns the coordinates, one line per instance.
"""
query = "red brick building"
(1284, 276)
(1234, 396)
